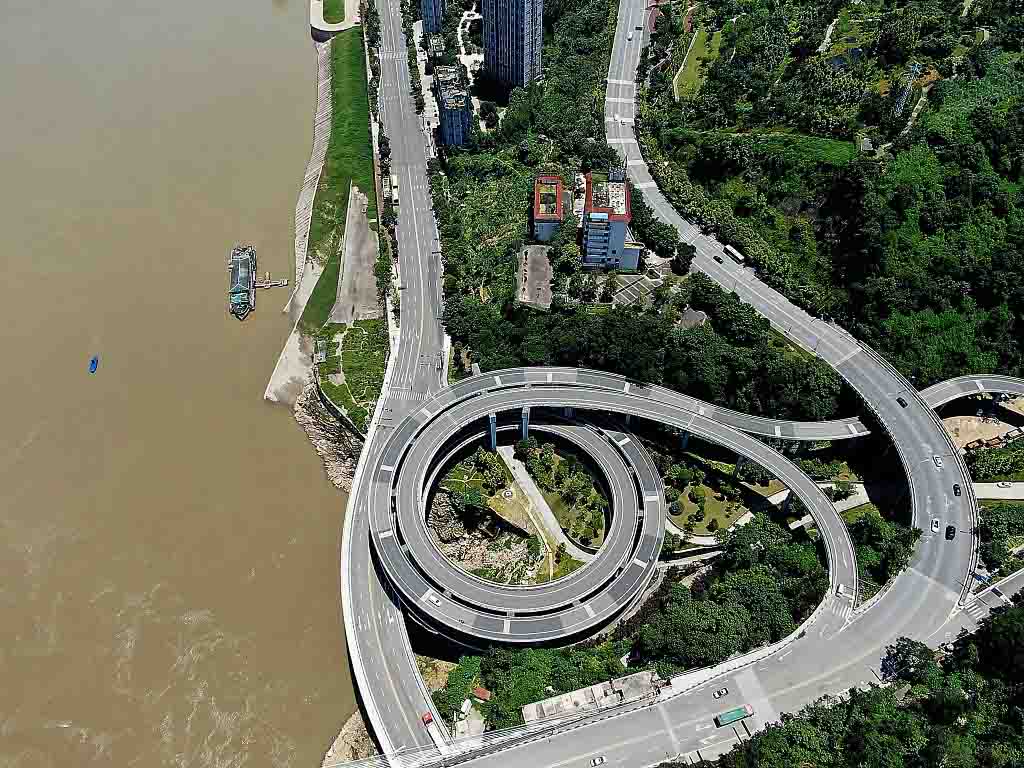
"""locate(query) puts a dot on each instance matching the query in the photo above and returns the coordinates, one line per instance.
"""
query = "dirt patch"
(967, 429)
(434, 671)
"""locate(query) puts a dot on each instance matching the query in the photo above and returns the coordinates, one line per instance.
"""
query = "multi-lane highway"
(385, 669)
(841, 647)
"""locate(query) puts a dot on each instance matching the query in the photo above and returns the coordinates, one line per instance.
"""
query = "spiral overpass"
(477, 611)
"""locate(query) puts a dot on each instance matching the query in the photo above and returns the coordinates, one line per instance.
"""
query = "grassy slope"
(689, 77)
(349, 158)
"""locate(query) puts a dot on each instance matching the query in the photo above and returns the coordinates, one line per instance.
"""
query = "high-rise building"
(607, 241)
(454, 106)
(513, 37)
(432, 12)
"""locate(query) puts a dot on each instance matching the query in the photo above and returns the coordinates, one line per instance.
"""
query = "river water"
(168, 541)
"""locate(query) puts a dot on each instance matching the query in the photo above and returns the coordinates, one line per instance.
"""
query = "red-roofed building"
(607, 241)
(548, 207)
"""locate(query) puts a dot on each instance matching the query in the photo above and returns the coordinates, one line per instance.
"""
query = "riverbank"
(353, 742)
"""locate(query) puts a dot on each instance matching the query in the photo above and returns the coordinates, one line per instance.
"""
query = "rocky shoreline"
(352, 743)
(337, 446)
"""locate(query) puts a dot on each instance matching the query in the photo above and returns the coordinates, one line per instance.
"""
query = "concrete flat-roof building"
(606, 694)
(607, 241)
(548, 207)
(513, 38)
(455, 108)
(432, 12)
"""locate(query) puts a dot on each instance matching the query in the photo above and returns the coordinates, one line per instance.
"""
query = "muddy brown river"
(168, 541)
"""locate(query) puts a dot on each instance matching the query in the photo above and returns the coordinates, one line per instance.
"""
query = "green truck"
(733, 715)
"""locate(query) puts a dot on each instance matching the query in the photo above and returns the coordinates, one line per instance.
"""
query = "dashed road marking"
(853, 429)
(497, 380)
(622, 442)
(387, 533)
(589, 610)
(778, 431)
(638, 561)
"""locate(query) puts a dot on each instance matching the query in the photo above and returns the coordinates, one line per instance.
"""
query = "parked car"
(950, 532)
(598, 760)
(956, 489)
(938, 461)
(1005, 484)
(935, 525)
(720, 693)
(902, 402)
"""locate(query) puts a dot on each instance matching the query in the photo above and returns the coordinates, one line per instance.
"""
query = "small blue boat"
(94, 363)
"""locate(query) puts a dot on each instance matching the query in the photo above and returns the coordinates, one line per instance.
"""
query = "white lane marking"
(701, 411)
(622, 82)
(425, 412)
(650, 498)
(387, 533)
(549, 378)
(626, 388)
(497, 380)
(622, 442)
(642, 184)
(981, 386)
(386, 468)
(848, 355)
(778, 431)
(853, 429)
(638, 561)
(507, 625)
(618, 140)
(589, 610)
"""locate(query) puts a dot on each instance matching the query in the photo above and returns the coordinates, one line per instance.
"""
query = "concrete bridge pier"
(740, 460)
(492, 419)
(526, 423)
(684, 440)
(569, 412)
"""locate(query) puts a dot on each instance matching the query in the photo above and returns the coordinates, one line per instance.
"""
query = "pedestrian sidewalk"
(539, 503)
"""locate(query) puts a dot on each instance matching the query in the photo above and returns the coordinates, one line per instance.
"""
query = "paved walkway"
(317, 21)
(540, 504)
(994, 491)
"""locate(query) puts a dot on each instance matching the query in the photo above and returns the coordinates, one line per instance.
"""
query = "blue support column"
(684, 440)
(739, 463)
(493, 420)
(526, 422)
(569, 411)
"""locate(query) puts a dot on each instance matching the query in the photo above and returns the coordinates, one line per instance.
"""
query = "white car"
(598, 760)
(938, 461)
(630, 35)
(1005, 484)
(720, 693)
(935, 525)
(435, 601)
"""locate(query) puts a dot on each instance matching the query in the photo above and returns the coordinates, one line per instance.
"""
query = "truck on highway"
(735, 255)
(435, 734)
(733, 715)
(394, 190)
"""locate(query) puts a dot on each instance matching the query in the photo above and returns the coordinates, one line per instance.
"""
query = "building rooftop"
(450, 90)
(610, 197)
(606, 694)
(547, 198)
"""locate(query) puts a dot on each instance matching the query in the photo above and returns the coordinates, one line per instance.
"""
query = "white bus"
(394, 189)
(733, 254)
